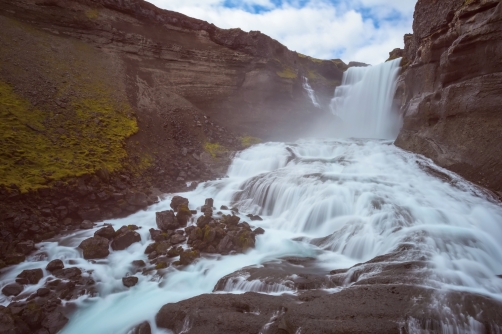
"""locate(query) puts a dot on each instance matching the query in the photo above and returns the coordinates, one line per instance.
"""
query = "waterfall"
(364, 101)
(310, 92)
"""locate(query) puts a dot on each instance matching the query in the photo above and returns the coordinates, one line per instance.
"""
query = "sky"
(352, 30)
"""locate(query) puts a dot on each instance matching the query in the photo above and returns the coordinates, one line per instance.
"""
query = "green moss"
(39, 147)
(287, 73)
(247, 141)
(92, 14)
(213, 148)
(161, 265)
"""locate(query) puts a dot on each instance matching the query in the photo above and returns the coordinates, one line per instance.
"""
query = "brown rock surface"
(451, 90)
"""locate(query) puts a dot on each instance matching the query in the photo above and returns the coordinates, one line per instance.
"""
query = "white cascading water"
(364, 101)
(367, 197)
(310, 92)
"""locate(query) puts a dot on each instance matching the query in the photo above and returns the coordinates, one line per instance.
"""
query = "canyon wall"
(451, 88)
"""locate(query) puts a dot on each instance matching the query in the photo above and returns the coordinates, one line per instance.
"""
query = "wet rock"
(225, 245)
(209, 202)
(42, 292)
(258, 231)
(86, 225)
(204, 220)
(55, 265)
(143, 328)
(223, 207)
(95, 248)
(32, 275)
(25, 247)
(14, 258)
(188, 256)
(166, 220)
(126, 239)
(177, 238)
(12, 289)
(183, 214)
(254, 217)
(72, 273)
(161, 265)
(174, 251)
(105, 232)
(33, 315)
(138, 263)
(54, 322)
(129, 281)
(177, 201)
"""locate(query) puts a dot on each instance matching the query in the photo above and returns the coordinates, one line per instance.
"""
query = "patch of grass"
(247, 141)
(287, 73)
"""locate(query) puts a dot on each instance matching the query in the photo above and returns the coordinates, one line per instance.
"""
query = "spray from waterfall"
(310, 92)
(364, 101)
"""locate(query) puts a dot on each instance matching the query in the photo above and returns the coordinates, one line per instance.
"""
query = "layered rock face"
(451, 89)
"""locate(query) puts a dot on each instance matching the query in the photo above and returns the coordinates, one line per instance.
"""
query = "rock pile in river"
(222, 235)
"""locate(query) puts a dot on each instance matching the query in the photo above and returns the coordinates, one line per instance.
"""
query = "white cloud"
(353, 30)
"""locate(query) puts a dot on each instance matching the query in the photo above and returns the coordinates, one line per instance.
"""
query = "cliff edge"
(451, 88)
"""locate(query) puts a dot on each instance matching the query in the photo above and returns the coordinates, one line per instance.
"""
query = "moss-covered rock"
(188, 256)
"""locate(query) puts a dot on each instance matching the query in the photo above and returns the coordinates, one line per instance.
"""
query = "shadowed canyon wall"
(451, 89)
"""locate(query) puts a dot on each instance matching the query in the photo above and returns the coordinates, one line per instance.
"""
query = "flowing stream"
(365, 197)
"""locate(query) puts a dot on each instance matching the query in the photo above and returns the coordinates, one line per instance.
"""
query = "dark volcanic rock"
(451, 91)
(14, 258)
(86, 225)
(143, 328)
(106, 232)
(129, 281)
(55, 265)
(12, 289)
(95, 248)
(166, 220)
(72, 273)
(25, 247)
(126, 239)
(188, 256)
(177, 201)
(32, 275)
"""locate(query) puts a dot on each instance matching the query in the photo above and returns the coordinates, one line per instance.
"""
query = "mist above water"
(364, 102)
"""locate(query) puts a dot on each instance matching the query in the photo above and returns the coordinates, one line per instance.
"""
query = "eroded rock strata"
(106, 104)
(451, 89)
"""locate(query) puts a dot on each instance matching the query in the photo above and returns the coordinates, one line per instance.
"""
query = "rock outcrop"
(451, 88)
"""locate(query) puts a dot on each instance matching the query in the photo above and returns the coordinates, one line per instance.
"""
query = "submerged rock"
(129, 281)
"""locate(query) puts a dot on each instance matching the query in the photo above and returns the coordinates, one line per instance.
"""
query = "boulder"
(174, 251)
(183, 214)
(129, 281)
(72, 273)
(166, 220)
(177, 201)
(106, 232)
(12, 289)
(54, 322)
(259, 230)
(31, 275)
(188, 256)
(137, 199)
(86, 225)
(95, 248)
(126, 239)
(55, 265)
(143, 328)
(177, 238)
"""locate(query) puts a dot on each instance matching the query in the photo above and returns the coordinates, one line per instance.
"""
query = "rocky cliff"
(451, 89)
(102, 100)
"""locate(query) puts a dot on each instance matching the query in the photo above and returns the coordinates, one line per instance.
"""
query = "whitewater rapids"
(366, 196)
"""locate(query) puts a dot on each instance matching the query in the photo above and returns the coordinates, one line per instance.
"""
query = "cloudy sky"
(353, 30)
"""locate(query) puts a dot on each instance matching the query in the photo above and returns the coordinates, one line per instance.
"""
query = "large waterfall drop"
(364, 101)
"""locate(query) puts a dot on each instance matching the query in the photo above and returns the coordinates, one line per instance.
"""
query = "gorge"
(203, 210)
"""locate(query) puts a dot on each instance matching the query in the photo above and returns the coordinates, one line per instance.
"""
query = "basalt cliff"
(451, 89)
(105, 104)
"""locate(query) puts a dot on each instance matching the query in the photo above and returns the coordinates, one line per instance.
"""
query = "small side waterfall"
(310, 92)
(364, 101)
